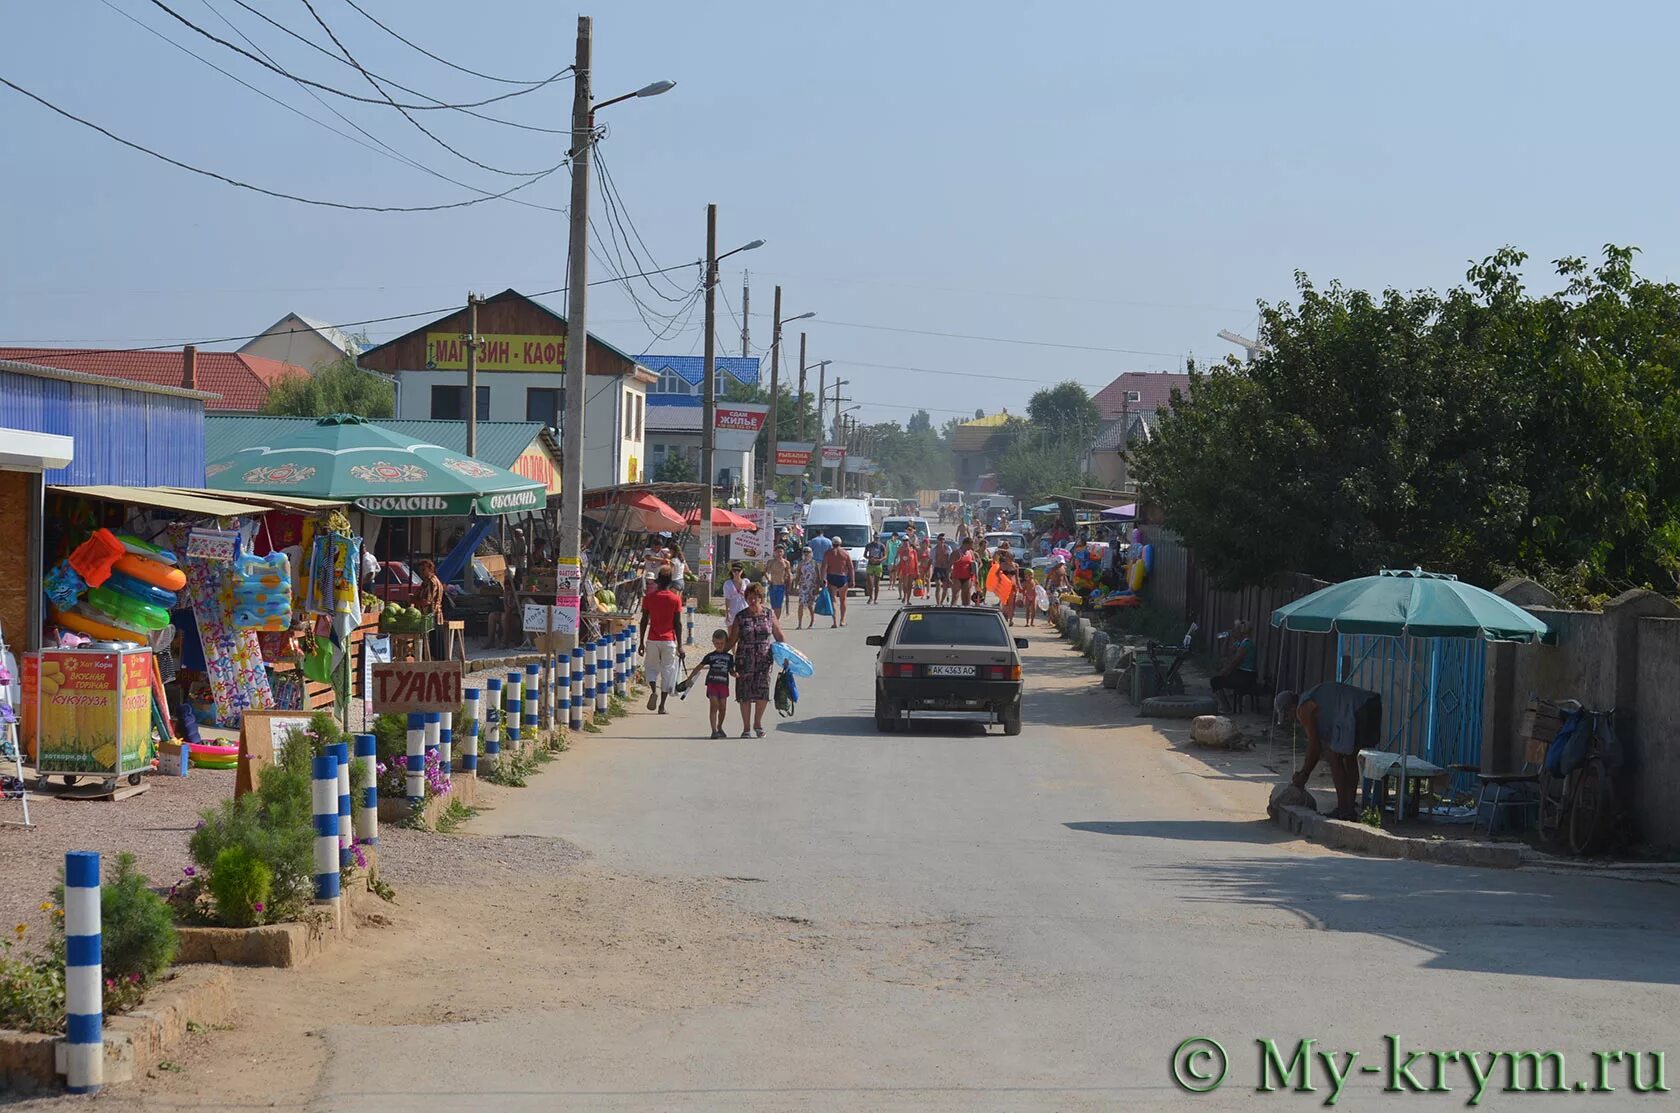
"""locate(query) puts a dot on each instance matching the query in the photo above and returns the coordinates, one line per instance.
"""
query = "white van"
(847, 519)
(880, 509)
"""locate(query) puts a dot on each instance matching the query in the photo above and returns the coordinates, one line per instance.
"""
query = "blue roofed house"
(674, 418)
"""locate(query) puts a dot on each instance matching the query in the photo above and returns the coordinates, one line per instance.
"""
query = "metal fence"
(1445, 729)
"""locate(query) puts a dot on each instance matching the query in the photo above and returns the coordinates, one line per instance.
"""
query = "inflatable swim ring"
(93, 628)
(124, 584)
(126, 609)
(206, 755)
(141, 548)
(150, 570)
(797, 662)
(1134, 574)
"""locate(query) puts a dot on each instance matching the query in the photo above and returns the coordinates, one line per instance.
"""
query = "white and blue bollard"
(562, 694)
(325, 794)
(576, 719)
(415, 757)
(626, 660)
(340, 752)
(493, 720)
(691, 624)
(603, 672)
(589, 681)
(84, 973)
(513, 709)
(446, 742)
(366, 824)
(533, 700)
(469, 744)
(434, 732)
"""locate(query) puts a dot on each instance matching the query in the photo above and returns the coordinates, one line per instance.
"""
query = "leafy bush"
(241, 884)
(31, 983)
(276, 825)
(138, 928)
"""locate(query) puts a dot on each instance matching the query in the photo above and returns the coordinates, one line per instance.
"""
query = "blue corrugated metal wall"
(127, 437)
(1432, 694)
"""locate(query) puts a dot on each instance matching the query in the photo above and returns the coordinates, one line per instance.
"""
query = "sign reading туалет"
(417, 686)
(447, 351)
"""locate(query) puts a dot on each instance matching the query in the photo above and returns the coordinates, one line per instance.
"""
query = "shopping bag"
(787, 693)
(824, 604)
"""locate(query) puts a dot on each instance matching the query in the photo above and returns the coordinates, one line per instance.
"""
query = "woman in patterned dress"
(750, 636)
(808, 582)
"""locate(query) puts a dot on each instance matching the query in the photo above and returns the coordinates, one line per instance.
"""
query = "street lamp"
(708, 414)
(570, 547)
(776, 387)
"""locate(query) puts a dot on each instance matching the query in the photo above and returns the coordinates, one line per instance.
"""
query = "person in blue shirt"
(1240, 675)
(819, 546)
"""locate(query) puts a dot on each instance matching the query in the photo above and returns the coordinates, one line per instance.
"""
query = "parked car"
(1017, 542)
(903, 525)
(947, 662)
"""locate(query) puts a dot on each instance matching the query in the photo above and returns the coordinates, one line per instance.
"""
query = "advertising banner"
(568, 595)
(833, 454)
(793, 457)
(754, 544)
(447, 351)
(736, 425)
(95, 713)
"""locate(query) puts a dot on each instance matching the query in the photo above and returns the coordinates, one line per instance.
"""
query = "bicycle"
(1580, 807)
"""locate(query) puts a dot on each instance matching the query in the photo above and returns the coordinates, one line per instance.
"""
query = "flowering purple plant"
(258, 906)
(357, 855)
(437, 781)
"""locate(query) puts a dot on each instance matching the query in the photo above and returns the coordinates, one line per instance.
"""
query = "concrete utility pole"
(577, 318)
(708, 413)
(801, 386)
(746, 316)
(472, 372)
(822, 400)
(775, 385)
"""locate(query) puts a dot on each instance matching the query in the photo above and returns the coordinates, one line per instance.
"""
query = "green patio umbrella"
(1410, 602)
(380, 471)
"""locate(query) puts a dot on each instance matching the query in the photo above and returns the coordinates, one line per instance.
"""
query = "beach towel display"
(233, 659)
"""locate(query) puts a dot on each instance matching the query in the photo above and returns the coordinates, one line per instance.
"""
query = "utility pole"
(472, 373)
(746, 316)
(577, 318)
(801, 386)
(708, 413)
(822, 400)
(775, 385)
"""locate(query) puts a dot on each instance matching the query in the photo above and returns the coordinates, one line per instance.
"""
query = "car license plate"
(950, 670)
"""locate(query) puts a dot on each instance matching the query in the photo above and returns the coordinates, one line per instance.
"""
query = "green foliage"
(32, 980)
(1067, 411)
(1477, 431)
(241, 885)
(338, 387)
(1033, 473)
(675, 468)
(275, 825)
(322, 731)
(137, 926)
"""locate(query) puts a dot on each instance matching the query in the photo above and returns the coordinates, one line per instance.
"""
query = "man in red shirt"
(661, 646)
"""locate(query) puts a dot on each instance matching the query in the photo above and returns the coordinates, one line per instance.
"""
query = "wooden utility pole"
(775, 386)
(472, 372)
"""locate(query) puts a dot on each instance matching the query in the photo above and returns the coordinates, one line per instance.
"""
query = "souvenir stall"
(625, 522)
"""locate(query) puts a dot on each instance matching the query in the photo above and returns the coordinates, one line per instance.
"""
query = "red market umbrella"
(646, 513)
(724, 522)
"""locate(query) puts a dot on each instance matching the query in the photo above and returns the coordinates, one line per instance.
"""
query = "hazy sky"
(1119, 177)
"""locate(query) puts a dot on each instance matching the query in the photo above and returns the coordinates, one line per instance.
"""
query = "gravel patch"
(420, 858)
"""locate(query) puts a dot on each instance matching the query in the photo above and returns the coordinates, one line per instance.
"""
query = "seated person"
(1240, 675)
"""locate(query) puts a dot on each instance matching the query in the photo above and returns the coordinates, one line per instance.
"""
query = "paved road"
(1027, 923)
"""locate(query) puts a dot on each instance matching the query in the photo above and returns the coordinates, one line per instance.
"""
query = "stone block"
(1213, 730)
(1111, 678)
(1111, 657)
(1099, 642)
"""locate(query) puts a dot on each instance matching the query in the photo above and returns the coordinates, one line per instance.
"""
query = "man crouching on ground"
(1338, 719)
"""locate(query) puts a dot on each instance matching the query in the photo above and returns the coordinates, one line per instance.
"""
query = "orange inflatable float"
(149, 571)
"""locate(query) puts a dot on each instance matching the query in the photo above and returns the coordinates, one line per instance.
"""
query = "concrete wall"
(1625, 657)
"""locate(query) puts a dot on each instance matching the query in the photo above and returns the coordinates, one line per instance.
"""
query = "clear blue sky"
(1108, 174)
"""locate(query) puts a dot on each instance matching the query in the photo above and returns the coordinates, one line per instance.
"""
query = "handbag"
(824, 604)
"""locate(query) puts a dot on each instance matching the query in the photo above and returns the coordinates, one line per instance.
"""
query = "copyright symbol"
(1199, 1065)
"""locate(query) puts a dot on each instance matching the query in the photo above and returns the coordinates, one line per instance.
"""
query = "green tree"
(1067, 410)
(338, 387)
(1479, 431)
(920, 422)
(675, 468)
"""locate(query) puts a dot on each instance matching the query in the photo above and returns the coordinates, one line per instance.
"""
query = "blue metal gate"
(1431, 692)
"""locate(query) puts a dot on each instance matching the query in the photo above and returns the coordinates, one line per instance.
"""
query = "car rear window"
(953, 628)
(852, 537)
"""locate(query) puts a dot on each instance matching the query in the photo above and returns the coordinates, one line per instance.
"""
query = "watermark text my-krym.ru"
(1200, 1065)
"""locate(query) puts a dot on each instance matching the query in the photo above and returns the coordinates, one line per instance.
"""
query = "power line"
(956, 374)
(272, 192)
(184, 21)
(427, 132)
(617, 201)
(206, 341)
(377, 146)
(991, 339)
(409, 43)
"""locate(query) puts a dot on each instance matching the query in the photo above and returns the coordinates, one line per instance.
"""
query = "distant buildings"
(241, 381)
(302, 341)
(1130, 408)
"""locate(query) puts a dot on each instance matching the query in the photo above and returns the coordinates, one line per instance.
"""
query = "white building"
(303, 341)
(521, 377)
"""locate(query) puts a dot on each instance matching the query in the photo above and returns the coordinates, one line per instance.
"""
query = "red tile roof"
(1154, 390)
(241, 380)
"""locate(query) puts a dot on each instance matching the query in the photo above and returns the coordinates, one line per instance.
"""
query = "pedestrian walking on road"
(842, 577)
(719, 665)
(778, 573)
(661, 648)
(734, 591)
(962, 575)
(750, 638)
(809, 583)
(874, 557)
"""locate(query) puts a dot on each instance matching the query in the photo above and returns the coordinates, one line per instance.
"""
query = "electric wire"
(321, 202)
(423, 129)
(621, 236)
(991, 339)
(444, 61)
(184, 21)
(377, 145)
(610, 188)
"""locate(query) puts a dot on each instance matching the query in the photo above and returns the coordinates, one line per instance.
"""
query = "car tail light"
(899, 669)
(1000, 672)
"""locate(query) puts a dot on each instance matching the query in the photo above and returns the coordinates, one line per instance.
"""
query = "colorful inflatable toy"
(148, 570)
(127, 610)
(797, 662)
(262, 592)
(124, 584)
(204, 755)
(94, 628)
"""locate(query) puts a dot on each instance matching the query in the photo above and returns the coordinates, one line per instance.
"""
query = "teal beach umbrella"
(1410, 603)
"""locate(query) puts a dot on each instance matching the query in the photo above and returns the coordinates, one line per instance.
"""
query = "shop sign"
(447, 351)
(792, 458)
(833, 455)
(403, 686)
(95, 713)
